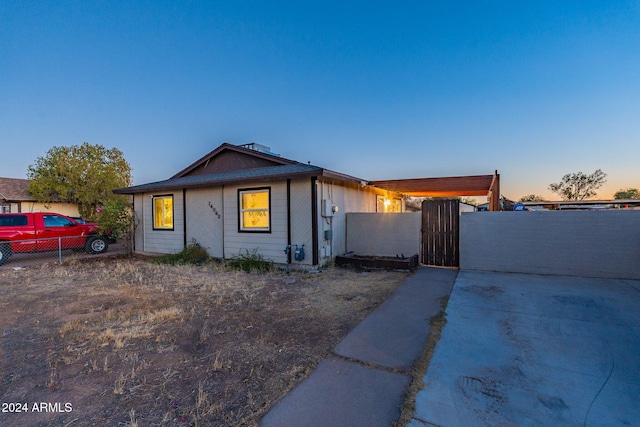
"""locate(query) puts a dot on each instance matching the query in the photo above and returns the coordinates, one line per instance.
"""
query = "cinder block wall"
(384, 234)
(576, 243)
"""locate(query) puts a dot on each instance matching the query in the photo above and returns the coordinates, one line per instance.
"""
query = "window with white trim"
(254, 210)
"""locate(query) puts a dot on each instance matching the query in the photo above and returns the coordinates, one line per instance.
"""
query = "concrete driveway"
(531, 350)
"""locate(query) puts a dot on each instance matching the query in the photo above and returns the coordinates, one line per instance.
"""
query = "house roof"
(269, 173)
(15, 190)
(266, 158)
(232, 164)
(195, 176)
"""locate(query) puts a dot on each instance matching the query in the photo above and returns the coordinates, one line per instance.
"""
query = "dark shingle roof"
(15, 190)
(270, 173)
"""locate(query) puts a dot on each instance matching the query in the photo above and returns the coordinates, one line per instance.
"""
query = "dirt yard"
(116, 342)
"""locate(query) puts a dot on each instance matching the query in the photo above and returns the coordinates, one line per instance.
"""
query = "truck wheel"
(96, 245)
(5, 253)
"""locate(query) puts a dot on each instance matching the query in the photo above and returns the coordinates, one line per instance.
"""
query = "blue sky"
(379, 90)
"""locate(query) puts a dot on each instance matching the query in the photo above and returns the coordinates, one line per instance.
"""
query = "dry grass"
(421, 365)
(129, 342)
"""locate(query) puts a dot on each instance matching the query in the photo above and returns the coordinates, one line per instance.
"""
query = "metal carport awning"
(453, 186)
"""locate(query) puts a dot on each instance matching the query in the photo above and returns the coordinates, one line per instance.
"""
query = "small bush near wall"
(250, 261)
(192, 254)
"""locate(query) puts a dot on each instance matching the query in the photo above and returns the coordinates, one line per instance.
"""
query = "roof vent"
(259, 147)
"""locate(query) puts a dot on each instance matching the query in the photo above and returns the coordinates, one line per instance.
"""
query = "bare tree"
(578, 186)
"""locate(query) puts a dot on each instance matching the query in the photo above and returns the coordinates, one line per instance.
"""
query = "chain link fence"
(23, 253)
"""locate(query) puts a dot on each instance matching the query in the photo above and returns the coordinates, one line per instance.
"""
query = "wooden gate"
(441, 232)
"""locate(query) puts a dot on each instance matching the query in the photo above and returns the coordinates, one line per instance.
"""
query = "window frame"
(241, 191)
(153, 211)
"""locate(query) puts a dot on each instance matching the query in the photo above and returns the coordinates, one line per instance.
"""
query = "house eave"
(179, 184)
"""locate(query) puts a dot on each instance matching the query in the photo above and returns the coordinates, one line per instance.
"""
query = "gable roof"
(231, 164)
(15, 190)
(228, 157)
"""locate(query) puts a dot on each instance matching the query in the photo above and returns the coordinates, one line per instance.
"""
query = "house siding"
(301, 223)
(347, 199)
(205, 219)
(271, 245)
(212, 220)
(163, 241)
(138, 222)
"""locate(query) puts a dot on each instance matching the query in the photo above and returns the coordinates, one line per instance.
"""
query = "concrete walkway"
(365, 384)
(531, 350)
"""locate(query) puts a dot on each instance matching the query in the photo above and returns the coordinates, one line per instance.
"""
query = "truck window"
(56, 221)
(13, 220)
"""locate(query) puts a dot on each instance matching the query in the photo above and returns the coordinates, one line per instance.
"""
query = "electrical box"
(328, 234)
(327, 209)
(327, 250)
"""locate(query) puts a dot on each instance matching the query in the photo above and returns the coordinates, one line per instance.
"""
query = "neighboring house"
(14, 197)
(245, 198)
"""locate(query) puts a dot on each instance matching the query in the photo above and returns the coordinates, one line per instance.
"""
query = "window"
(13, 220)
(254, 212)
(56, 221)
(163, 212)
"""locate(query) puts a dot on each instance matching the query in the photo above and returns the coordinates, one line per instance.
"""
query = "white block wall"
(384, 234)
(576, 243)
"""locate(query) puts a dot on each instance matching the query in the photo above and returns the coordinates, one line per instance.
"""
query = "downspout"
(133, 227)
(184, 216)
(223, 224)
(144, 223)
(289, 220)
(314, 220)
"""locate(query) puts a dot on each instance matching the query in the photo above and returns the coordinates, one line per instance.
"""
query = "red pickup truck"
(44, 231)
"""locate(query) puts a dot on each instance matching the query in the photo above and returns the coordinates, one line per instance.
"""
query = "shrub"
(250, 261)
(191, 254)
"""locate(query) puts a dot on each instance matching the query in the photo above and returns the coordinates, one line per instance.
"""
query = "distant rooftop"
(15, 190)
(585, 204)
